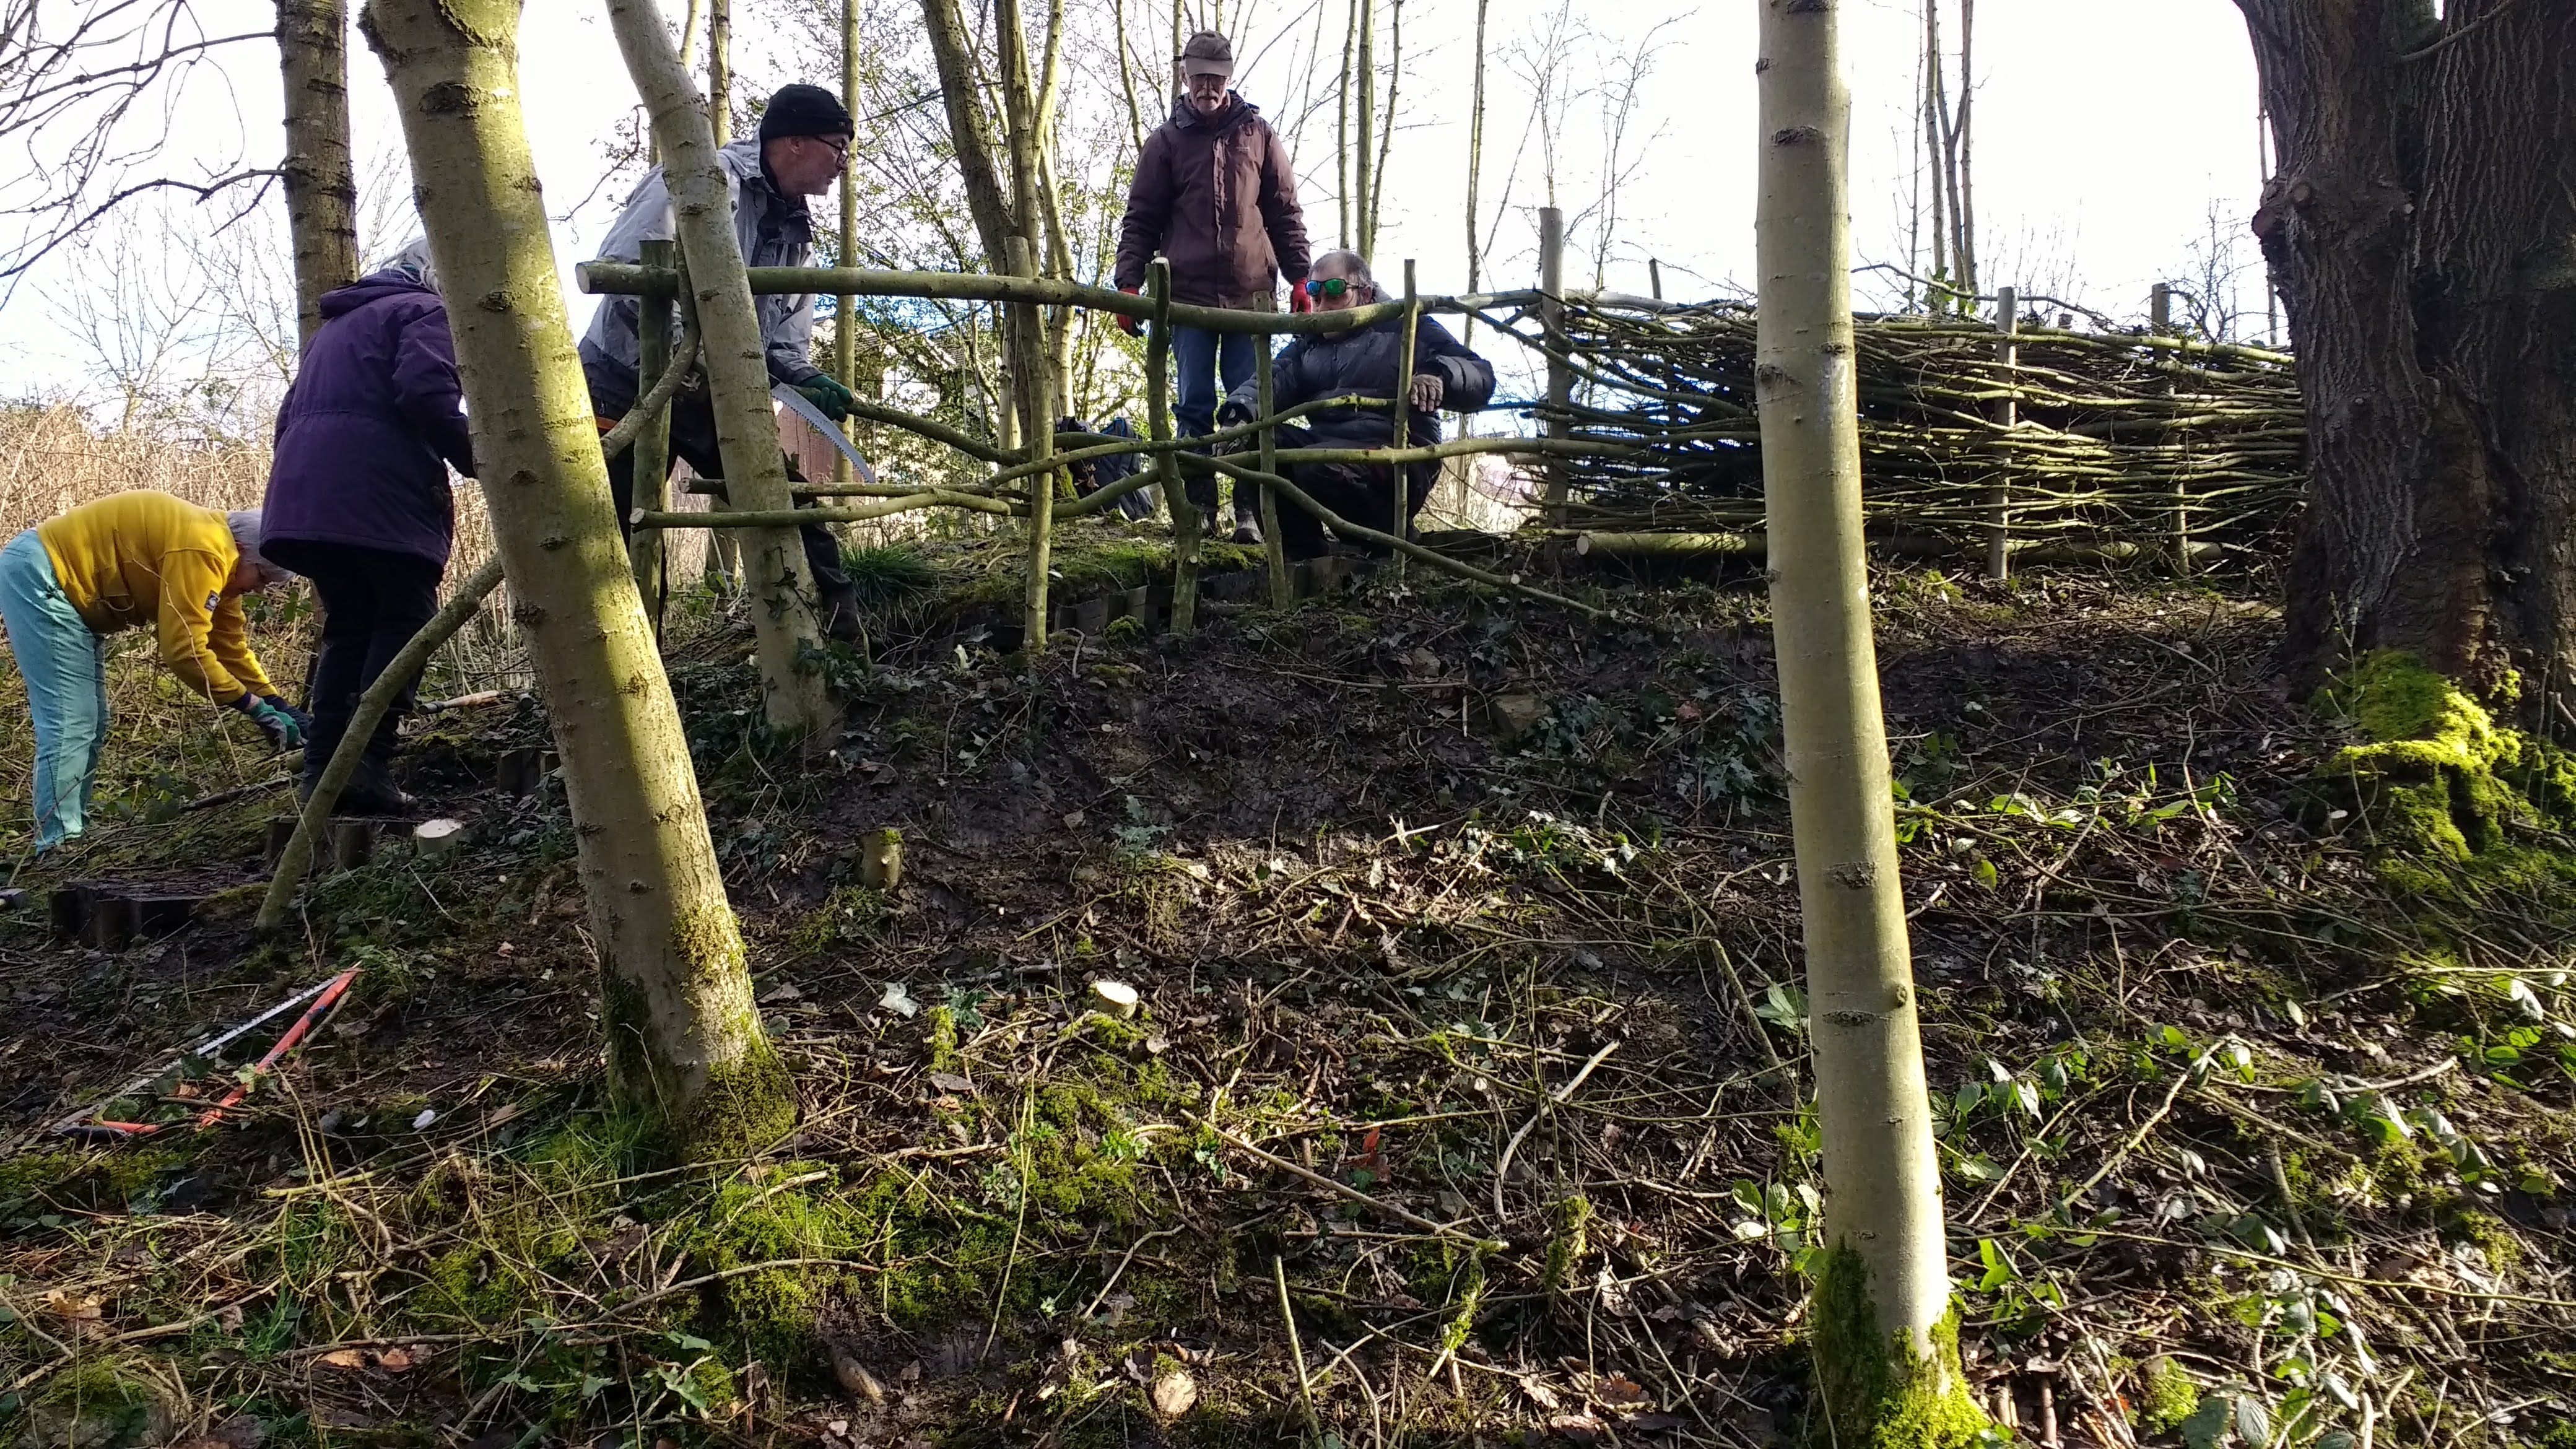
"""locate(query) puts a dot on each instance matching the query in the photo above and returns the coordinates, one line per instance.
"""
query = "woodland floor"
(2229, 1128)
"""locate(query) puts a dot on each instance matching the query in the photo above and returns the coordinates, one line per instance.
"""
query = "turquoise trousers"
(66, 674)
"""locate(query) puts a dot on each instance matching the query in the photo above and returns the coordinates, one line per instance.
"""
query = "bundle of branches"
(2082, 439)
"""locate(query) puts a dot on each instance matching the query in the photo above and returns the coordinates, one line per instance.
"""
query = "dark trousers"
(1206, 366)
(693, 441)
(1361, 493)
(373, 601)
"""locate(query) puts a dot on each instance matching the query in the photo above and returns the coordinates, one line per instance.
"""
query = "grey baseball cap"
(1208, 53)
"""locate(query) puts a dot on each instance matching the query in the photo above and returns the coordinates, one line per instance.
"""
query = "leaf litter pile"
(1458, 1097)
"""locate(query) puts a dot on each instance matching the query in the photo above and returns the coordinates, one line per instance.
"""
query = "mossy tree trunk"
(773, 559)
(685, 1047)
(321, 190)
(2421, 231)
(1885, 1346)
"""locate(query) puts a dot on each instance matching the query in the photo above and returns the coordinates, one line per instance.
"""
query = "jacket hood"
(1236, 113)
(374, 287)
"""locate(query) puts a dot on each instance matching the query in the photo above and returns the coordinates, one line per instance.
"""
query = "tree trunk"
(685, 1048)
(719, 70)
(1366, 108)
(321, 191)
(1885, 1338)
(2418, 230)
(1342, 124)
(773, 559)
(968, 129)
(1475, 169)
(845, 334)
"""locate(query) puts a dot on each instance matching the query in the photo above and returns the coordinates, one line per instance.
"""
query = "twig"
(1503, 1164)
(1354, 1194)
(1296, 1350)
(2181, 1080)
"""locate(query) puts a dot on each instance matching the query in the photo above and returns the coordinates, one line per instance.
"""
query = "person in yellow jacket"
(125, 562)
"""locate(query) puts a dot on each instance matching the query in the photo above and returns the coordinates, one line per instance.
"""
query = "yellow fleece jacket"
(144, 557)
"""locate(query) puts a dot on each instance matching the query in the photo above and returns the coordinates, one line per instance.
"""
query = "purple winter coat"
(373, 419)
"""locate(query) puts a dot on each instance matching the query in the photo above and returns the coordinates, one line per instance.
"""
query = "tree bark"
(773, 559)
(685, 1047)
(321, 190)
(845, 335)
(1882, 1296)
(719, 70)
(969, 130)
(2418, 230)
(1366, 108)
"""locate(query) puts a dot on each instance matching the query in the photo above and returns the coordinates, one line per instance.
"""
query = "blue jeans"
(1202, 358)
(66, 674)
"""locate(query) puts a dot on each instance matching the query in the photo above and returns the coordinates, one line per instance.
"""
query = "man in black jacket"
(1362, 362)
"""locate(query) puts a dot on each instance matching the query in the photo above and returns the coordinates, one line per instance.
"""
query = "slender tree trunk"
(1884, 1334)
(773, 559)
(1475, 172)
(1367, 109)
(845, 332)
(1386, 123)
(1964, 214)
(1934, 109)
(720, 70)
(1342, 124)
(685, 1048)
(2418, 229)
(321, 190)
(1127, 80)
(969, 132)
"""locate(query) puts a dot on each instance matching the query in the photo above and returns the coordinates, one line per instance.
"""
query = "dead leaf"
(242, 1431)
(72, 1306)
(1539, 1393)
(854, 1377)
(952, 1083)
(1174, 1393)
(1621, 1393)
(1581, 1428)
(394, 1361)
(345, 1358)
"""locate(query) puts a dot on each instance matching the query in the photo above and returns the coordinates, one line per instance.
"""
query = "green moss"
(939, 1033)
(68, 1177)
(747, 1104)
(96, 1404)
(2166, 1396)
(852, 913)
(2441, 786)
(1876, 1391)
(1570, 1217)
(793, 1214)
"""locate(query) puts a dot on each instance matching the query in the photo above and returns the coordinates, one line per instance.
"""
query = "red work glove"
(1127, 324)
(1298, 301)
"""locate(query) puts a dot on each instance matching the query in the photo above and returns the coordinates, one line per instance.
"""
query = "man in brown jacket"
(1215, 193)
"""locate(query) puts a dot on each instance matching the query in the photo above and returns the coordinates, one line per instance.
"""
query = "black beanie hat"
(803, 110)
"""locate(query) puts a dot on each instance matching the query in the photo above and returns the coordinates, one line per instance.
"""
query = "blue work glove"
(830, 396)
(273, 722)
(303, 721)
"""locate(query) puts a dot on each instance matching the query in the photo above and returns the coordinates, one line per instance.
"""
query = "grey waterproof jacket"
(774, 230)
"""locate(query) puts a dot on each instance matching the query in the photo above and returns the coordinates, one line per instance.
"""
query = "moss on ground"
(2443, 788)
(2166, 1396)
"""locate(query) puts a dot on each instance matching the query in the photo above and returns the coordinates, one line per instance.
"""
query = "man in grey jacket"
(800, 151)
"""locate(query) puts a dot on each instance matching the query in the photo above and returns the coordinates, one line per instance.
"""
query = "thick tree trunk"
(685, 1048)
(321, 190)
(2421, 230)
(1884, 1337)
(773, 559)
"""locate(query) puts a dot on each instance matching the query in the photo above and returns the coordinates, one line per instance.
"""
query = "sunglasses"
(1328, 287)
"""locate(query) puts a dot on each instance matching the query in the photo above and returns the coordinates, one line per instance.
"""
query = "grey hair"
(1350, 264)
(245, 526)
(413, 260)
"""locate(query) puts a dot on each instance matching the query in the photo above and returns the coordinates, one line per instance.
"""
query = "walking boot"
(837, 609)
(1247, 517)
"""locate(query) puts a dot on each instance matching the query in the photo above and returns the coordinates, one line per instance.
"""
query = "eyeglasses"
(1327, 287)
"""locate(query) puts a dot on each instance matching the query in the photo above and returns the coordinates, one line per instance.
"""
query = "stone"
(1510, 717)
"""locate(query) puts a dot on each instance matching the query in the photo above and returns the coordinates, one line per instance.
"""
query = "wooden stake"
(1274, 549)
(1400, 420)
(652, 445)
(1560, 376)
(1028, 350)
(1158, 411)
(2007, 413)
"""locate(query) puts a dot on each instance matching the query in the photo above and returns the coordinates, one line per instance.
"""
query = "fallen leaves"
(1173, 1394)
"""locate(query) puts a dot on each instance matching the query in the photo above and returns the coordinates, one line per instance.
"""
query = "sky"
(2113, 138)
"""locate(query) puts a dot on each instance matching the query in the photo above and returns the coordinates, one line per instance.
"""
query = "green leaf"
(1987, 875)
(2207, 1426)
(2253, 1424)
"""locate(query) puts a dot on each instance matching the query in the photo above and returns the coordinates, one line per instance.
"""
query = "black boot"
(1247, 516)
(837, 607)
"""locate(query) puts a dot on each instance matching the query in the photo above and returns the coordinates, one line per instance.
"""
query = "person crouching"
(1361, 362)
(359, 499)
(124, 562)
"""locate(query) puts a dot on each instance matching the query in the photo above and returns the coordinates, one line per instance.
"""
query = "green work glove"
(830, 396)
(272, 721)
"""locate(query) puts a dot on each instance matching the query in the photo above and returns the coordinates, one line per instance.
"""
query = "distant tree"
(2421, 231)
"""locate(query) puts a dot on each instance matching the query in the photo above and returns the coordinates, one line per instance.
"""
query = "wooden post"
(2007, 413)
(1158, 417)
(1400, 419)
(1274, 549)
(845, 337)
(1027, 347)
(652, 447)
(1654, 278)
(1560, 375)
(2160, 309)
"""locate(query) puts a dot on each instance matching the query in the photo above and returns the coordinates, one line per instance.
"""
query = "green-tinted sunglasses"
(1328, 287)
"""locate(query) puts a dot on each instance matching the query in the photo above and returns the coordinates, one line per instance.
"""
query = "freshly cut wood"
(881, 859)
(1667, 545)
(1115, 998)
(438, 837)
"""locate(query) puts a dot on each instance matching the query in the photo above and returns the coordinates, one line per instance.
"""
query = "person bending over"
(1361, 362)
(803, 142)
(124, 562)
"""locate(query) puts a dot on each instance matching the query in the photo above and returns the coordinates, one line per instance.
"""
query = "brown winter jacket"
(1217, 195)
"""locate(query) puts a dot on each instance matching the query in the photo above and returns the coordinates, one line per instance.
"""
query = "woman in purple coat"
(359, 498)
